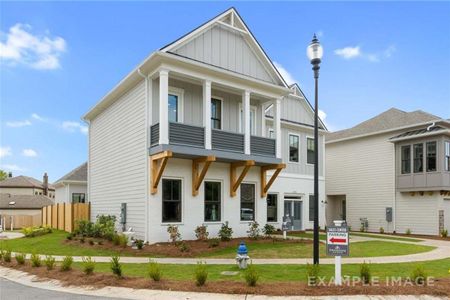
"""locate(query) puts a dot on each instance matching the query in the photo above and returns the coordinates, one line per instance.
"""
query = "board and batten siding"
(363, 170)
(117, 159)
(227, 49)
(295, 109)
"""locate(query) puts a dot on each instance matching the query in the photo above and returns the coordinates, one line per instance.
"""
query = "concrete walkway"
(29, 284)
(442, 251)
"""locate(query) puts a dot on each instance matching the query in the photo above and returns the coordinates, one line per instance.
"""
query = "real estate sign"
(337, 241)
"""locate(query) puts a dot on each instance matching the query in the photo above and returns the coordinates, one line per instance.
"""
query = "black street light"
(315, 53)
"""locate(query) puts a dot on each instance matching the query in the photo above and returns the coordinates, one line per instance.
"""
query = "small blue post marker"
(242, 256)
(242, 249)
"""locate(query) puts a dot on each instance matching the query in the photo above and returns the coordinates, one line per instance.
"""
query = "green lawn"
(308, 235)
(386, 237)
(53, 244)
(276, 273)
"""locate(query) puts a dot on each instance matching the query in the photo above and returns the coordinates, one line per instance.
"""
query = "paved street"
(13, 291)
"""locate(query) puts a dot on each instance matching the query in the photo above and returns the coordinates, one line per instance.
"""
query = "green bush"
(115, 239)
(49, 262)
(408, 231)
(174, 233)
(418, 275)
(88, 265)
(36, 231)
(444, 233)
(184, 247)
(268, 229)
(7, 256)
(154, 271)
(36, 261)
(214, 242)
(381, 230)
(104, 227)
(1, 254)
(253, 230)
(70, 236)
(364, 273)
(20, 258)
(201, 232)
(140, 244)
(251, 275)
(200, 274)
(225, 232)
(116, 267)
(66, 264)
(312, 273)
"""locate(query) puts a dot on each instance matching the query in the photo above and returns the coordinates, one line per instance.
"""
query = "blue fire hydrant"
(242, 256)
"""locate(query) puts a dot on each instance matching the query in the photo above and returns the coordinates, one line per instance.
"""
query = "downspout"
(147, 131)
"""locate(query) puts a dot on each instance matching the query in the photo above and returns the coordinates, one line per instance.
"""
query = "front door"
(293, 209)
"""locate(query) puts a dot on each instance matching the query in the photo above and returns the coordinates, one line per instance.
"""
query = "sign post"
(286, 225)
(337, 246)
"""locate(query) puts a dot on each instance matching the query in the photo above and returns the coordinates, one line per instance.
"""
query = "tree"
(3, 175)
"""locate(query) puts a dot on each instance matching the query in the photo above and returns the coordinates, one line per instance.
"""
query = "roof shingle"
(8, 201)
(23, 182)
(77, 174)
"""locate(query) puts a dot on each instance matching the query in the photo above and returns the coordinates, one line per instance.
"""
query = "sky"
(58, 59)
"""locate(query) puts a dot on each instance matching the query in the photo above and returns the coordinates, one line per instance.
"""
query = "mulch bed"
(196, 248)
(98, 280)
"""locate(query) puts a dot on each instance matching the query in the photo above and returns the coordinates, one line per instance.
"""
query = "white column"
(164, 107)
(277, 125)
(207, 112)
(263, 120)
(246, 120)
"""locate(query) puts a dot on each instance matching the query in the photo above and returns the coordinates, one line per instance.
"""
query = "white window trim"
(278, 208)
(182, 200)
(221, 201)
(252, 108)
(270, 131)
(256, 202)
(308, 137)
(288, 150)
(180, 94)
(221, 111)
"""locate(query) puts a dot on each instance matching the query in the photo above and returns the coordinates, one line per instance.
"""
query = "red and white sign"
(337, 238)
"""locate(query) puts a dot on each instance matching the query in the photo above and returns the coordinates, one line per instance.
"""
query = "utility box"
(388, 214)
(123, 215)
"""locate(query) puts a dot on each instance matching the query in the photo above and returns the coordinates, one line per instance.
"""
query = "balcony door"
(252, 120)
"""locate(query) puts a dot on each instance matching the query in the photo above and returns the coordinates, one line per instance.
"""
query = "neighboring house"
(204, 131)
(24, 185)
(395, 161)
(72, 187)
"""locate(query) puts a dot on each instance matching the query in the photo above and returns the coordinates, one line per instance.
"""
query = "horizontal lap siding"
(418, 213)
(118, 159)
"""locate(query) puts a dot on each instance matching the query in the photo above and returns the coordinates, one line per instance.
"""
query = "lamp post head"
(314, 51)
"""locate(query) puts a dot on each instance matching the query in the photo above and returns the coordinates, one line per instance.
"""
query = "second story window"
(418, 158)
(216, 114)
(78, 197)
(431, 156)
(293, 148)
(310, 150)
(173, 108)
(447, 156)
(406, 159)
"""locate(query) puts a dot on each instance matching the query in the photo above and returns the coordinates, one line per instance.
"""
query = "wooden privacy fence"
(64, 216)
(20, 221)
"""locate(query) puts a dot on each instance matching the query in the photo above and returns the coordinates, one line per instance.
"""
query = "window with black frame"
(212, 201)
(78, 197)
(216, 114)
(310, 150)
(272, 207)
(293, 148)
(431, 156)
(406, 159)
(171, 200)
(418, 158)
(247, 202)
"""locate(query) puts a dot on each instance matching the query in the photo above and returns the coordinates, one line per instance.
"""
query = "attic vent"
(12, 203)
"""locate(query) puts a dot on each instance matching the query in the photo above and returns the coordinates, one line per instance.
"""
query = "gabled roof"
(232, 20)
(23, 182)
(8, 201)
(77, 174)
(389, 120)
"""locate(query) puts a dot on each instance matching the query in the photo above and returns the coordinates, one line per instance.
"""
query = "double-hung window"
(171, 200)
(431, 156)
(247, 202)
(212, 201)
(216, 114)
(272, 207)
(406, 159)
(418, 158)
(174, 103)
(78, 197)
(447, 156)
(293, 148)
(310, 150)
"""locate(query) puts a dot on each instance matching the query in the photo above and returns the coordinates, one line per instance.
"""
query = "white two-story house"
(204, 131)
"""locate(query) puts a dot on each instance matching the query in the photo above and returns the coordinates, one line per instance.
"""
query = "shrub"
(251, 275)
(20, 258)
(35, 260)
(154, 271)
(444, 233)
(67, 263)
(140, 244)
(184, 247)
(214, 242)
(49, 262)
(84, 227)
(362, 228)
(104, 227)
(312, 273)
(91, 242)
(381, 230)
(7, 256)
(116, 267)
(36, 231)
(418, 275)
(115, 239)
(268, 229)
(69, 236)
(225, 232)
(200, 274)
(123, 240)
(1, 254)
(408, 231)
(364, 273)
(174, 233)
(253, 230)
(201, 232)
(88, 265)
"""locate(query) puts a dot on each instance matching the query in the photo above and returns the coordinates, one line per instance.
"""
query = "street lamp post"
(315, 53)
